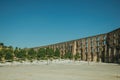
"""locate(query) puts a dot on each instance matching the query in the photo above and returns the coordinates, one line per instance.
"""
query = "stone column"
(105, 54)
(114, 55)
(109, 53)
(74, 48)
(89, 49)
(119, 56)
(83, 49)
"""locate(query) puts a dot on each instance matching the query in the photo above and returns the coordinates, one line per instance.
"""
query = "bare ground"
(61, 71)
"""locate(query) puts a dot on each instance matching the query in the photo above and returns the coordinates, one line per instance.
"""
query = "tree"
(68, 55)
(22, 54)
(49, 52)
(9, 54)
(41, 54)
(31, 54)
(57, 53)
(1, 44)
(16, 51)
(77, 56)
(2, 55)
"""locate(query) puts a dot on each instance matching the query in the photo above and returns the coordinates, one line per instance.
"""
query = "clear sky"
(33, 23)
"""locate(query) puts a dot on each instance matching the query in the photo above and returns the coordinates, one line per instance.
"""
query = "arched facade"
(103, 47)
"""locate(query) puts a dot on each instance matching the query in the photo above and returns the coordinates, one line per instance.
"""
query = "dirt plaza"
(60, 71)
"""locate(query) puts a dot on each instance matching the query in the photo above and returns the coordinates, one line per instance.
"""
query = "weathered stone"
(103, 47)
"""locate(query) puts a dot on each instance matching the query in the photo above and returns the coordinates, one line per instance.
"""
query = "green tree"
(21, 54)
(32, 54)
(49, 52)
(68, 55)
(9, 54)
(16, 52)
(1, 44)
(57, 53)
(77, 56)
(41, 54)
(2, 55)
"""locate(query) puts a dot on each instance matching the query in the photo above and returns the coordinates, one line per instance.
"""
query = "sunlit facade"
(103, 47)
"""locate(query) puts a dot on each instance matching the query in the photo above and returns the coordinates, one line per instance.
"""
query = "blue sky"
(32, 23)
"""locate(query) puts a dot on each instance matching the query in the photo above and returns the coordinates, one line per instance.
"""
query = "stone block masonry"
(99, 48)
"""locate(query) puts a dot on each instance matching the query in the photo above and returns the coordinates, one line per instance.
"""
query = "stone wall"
(103, 47)
(113, 46)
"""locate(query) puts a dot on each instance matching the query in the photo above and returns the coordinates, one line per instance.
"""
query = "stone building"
(103, 47)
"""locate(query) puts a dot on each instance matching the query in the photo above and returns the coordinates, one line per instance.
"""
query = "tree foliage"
(1, 44)
(41, 54)
(22, 54)
(77, 56)
(57, 53)
(68, 55)
(9, 55)
(2, 54)
(49, 52)
(31, 54)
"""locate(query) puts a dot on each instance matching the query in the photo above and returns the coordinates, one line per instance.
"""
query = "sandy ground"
(62, 70)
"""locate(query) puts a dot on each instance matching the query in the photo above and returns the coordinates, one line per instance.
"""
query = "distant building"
(103, 47)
